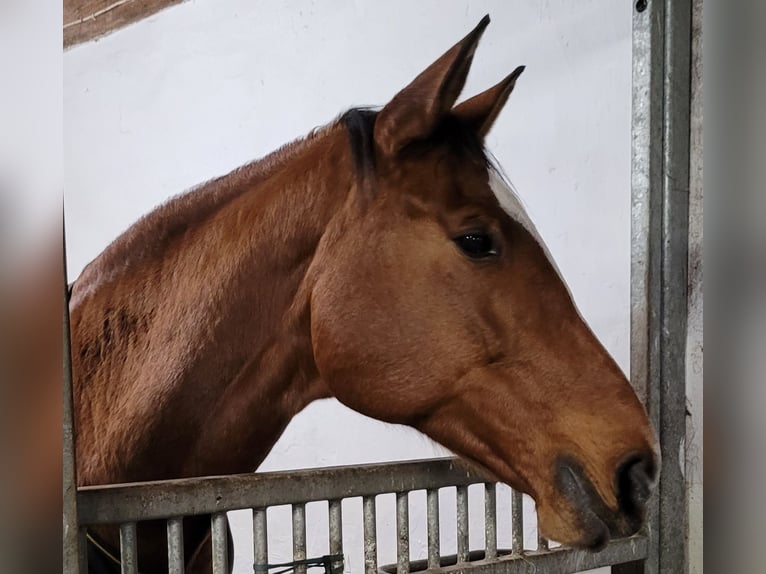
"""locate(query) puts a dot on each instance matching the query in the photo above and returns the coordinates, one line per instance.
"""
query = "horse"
(382, 260)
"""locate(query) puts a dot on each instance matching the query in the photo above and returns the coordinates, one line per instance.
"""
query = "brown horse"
(382, 261)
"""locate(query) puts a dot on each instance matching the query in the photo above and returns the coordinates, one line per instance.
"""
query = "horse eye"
(476, 245)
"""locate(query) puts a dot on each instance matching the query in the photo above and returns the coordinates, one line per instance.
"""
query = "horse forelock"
(453, 132)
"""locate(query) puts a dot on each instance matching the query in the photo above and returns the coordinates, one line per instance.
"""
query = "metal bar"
(402, 533)
(462, 524)
(675, 241)
(121, 503)
(517, 521)
(646, 206)
(646, 176)
(370, 535)
(74, 555)
(490, 521)
(128, 552)
(175, 546)
(299, 536)
(219, 526)
(260, 541)
(82, 540)
(335, 513)
(432, 517)
(561, 560)
(695, 295)
(660, 195)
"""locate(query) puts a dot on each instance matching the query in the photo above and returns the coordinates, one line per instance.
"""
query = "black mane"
(360, 125)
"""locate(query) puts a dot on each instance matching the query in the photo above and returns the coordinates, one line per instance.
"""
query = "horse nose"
(636, 477)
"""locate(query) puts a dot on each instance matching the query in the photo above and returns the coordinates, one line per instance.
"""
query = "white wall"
(206, 86)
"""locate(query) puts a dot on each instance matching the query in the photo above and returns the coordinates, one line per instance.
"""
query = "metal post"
(299, 536)
(462, 524)
(175, 529)
(675, 242)
(335, 516)
(260, 540)
(403, 533)
(490, 521)
(220, 539)
(128, 550)
(517, 521)
(432, 517)
(659, 205)
(370, 536)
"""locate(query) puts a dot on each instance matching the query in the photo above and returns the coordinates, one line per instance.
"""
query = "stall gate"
(662, 83)
(170, 500)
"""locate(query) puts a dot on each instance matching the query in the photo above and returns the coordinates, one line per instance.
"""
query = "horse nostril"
(635, 479)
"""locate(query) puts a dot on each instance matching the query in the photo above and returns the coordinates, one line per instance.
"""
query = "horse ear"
(415, 112)
(480, 111)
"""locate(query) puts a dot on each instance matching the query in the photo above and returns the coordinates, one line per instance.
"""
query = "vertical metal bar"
(675, 240)
(695, 321)
(646, 231)
(335, 512)
(646, 176)
(432, 516)
(74, 555)
(219, 527)
(402, 533)
(260, 541)
(517, 521)
(128, 552)
(462, 524)
(299, 536)
(370, 536)
(82, 542)
(660, 195)
(175, 546)
(490, 521)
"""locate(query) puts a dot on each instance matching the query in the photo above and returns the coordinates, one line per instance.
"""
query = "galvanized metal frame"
(126, 505)
(660, 193)
(660, 183)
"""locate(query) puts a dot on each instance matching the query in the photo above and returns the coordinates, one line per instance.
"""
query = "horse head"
(437, 305)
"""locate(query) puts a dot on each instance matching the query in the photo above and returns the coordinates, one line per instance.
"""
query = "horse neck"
(203, 344)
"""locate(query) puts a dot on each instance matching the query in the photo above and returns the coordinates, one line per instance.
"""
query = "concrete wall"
(203, 87)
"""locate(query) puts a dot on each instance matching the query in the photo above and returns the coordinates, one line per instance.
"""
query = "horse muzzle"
(634, 480)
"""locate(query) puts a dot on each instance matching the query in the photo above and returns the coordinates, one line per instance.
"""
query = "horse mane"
(151, 233)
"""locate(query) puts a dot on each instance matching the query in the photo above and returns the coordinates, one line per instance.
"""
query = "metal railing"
(127, 505)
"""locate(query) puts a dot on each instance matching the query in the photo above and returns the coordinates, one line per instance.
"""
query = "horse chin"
(585, 530)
